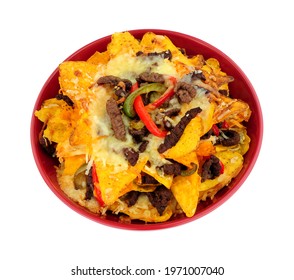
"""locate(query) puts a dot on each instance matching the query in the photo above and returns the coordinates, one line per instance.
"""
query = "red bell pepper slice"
(215, 130)
(97, 190)
(222, 167)
(134, 87)
(225, 124)
(146, 118)
(171, 82)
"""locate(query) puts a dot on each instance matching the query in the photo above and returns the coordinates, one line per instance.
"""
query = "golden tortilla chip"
(139, 188)
(188, 159)
(205, 148)
(113, 185)
(76, 77)
(165, 180)
(52, 107)
(56, 114)
(197, 61)
(213, 64)
(82, 132)
(207, 117)
(186, 192)
(188, 141)
(99, 58)
(72, 164)
(144, 210)
(123, 42)
(232, 162)
(232, 110)
(242, 147)
(157, 43)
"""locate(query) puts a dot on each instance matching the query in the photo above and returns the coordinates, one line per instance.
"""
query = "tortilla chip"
(66, 183)
(113, 185)
(205, 148)
(123, 42)
(72, 164)
(52, 107)
(157, 43)
(188, 141)
(165, 180)
(213, 64)
(144, 210)
(186, 192)
(232, 162)
(76, 77)
(82, 127)
(197, 61)
(242, 147)
(99, 58)
(139, 188)
(207, 117)
(232, 110)
(56, 114)
(188, 159)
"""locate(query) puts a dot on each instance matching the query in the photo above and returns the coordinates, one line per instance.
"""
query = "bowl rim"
(170, 223)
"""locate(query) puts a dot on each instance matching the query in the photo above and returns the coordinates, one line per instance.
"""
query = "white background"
(251, 235)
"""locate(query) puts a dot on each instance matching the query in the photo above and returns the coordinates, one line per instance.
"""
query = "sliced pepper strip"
(134, 87)
(146, 118)
(222, 170)
(215, 130)
(97, 191)
(129, 102)
(171, 81)
(190, 171)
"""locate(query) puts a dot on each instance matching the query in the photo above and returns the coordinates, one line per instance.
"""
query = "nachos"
(144, 131)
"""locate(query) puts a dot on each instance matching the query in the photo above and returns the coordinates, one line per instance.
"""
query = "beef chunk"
(121, 86)
(232, 138)
(143, 146)
(48, 146)
(122, 89)
(89, 185)
(116, 119)
(172, 168)
(198, 75)
(162, 117)
(185, 92)
(148, 179)
(65, 98)
(131, 198)
(224, 92)
(172, 112)
(207, 135)
(211, 168)
(128, 84)
(110, 80)
(160, 198)
(164, 54)
(131, 155)
(171, 139)
(138, 134)
(151, 77)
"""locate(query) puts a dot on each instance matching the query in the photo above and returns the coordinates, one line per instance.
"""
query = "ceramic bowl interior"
(241, 88)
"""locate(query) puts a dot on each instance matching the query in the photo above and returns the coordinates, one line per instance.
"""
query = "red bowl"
(241, 88)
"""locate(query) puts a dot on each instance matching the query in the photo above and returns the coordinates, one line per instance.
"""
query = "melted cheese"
(107, 148)
(129, 67)
(155, 158)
